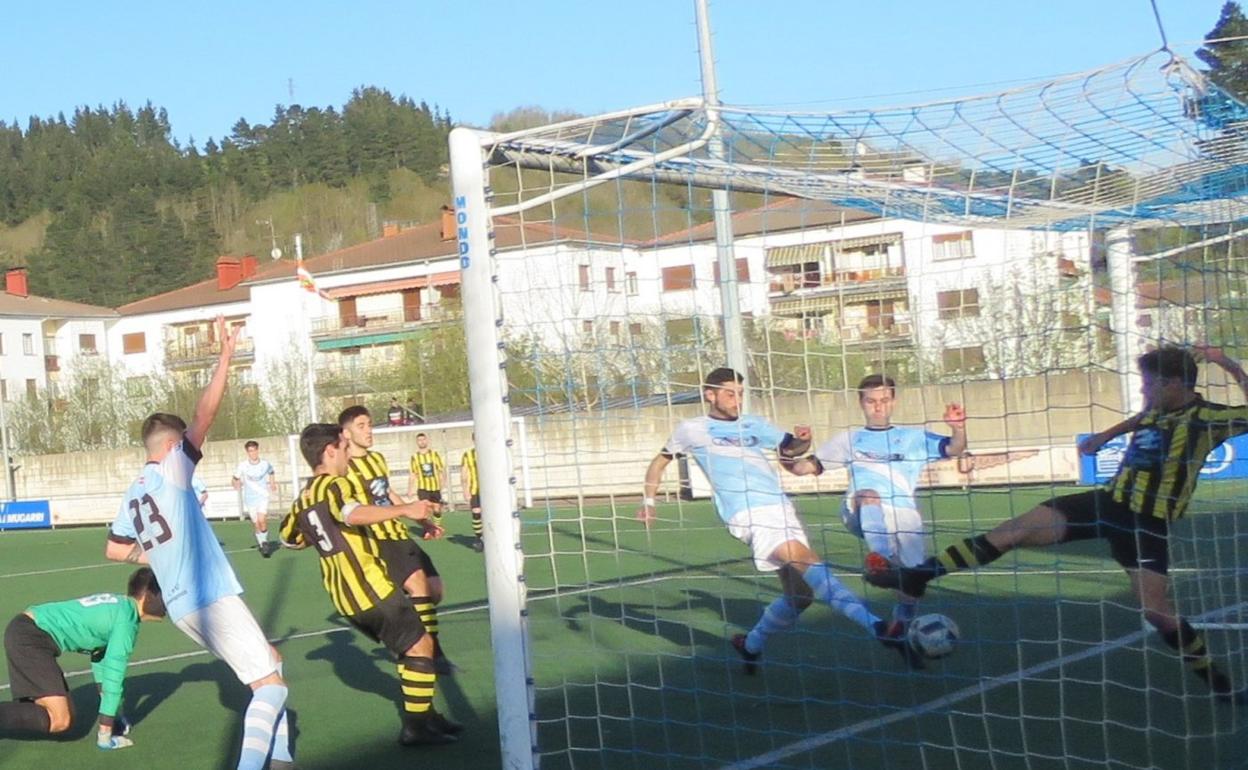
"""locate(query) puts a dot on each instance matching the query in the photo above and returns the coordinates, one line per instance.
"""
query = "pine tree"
(1228, 62)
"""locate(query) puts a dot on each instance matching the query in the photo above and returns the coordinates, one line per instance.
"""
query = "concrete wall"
(605, 454)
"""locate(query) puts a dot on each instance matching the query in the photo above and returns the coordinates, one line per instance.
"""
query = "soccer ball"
(932, 636)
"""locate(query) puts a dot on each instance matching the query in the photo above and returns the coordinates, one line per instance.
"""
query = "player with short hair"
(257, 478)
(1169, 443)
(407, 564)
(103, 626)
(328, 516)
(160, 522)
(728, 447)
(471, 481)
(884, 462)
(428, 476)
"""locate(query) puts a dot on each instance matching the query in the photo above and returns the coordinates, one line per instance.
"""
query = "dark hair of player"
(873, 381)
(418, 435)
(1170, 363)
(143, 583)
(348, 415)
(720, 376)
(251, 444)
(314, 439)
(162, 421)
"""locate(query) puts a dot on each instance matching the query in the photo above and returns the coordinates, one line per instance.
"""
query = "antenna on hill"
(290, 89)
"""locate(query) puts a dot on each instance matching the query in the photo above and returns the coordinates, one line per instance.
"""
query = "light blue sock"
(281, 736)
(777, 616)
(833, 593)
(903, 612)
(263, 712)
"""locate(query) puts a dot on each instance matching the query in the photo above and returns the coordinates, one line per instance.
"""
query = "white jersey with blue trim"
(161, 512)
(887, 461)
(255, 482)
(730, 453)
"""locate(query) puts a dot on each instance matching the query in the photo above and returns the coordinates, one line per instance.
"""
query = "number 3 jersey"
(161, 513)
(351, 569)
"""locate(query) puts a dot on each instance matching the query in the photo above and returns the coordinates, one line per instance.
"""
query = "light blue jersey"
(161, 512)
(255, 482)
(887, 461)
(730, 453)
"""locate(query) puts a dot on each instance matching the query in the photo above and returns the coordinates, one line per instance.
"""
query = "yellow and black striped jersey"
(370, 477)
(351, 570)
(1167, 449)
(469, 466)
(427, 469)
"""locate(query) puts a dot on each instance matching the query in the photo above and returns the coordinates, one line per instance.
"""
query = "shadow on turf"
(373, 671)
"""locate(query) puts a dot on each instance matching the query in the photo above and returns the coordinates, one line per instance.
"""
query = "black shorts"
(433, 496)
(1136, 542)
(403, 557)
(32, 654)
(394, 623)
(474, 501)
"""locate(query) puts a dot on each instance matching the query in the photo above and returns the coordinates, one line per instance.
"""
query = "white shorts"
(227, 629)
(899, 533)
(765, 529)
(258, 511)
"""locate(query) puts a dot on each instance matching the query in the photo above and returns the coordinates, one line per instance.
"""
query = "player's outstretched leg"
(970, 553)
(1190, 643)
(781, 614)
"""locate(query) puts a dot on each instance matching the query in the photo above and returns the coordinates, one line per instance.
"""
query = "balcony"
(191, 353)
(842, 282)
(381, 326)
(896, 335)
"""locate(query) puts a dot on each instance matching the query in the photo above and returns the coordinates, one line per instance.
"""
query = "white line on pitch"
(89, 566)
(441, 614)
(849, 731)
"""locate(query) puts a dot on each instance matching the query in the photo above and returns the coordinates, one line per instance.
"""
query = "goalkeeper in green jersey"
(103, 626)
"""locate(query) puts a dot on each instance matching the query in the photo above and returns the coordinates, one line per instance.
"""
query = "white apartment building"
(42, 340)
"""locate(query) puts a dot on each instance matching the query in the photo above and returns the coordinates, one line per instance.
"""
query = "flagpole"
(311, 346)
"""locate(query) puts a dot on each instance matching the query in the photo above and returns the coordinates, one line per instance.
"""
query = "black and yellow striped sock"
(1191, 645)
(418, 678)
(971, 552)
(437, 518)
(478, 527)
(428, 612)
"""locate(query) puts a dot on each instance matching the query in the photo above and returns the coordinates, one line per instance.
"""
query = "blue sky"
(212, 63)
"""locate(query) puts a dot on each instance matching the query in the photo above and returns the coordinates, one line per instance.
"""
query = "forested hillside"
(106, 206)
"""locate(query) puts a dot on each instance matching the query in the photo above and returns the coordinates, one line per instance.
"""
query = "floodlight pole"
(734, 336)
(9, 482)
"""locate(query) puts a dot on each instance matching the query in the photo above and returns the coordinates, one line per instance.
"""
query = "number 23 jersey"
(161, 513)
(351, 570)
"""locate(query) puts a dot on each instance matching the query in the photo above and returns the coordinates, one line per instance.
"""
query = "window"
(4, 391)
(743, 271)
(587, 333)
(953, 246)
(582, 277)
(634, 331)
(959, 303)
(32, 389)
(615, 333)
(28, 344)
(86, 344)
(963, 360)
(630, 287)
(1, 344)
(611, 287)
(134, 343)
(678, 278)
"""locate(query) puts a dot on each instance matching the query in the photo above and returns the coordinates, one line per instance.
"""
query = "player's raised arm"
(210, 399)
(955, 418)
(654, 474)
(1218, 357)
(1091, 444)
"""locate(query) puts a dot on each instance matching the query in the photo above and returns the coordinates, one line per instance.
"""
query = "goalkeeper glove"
(111, 742)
